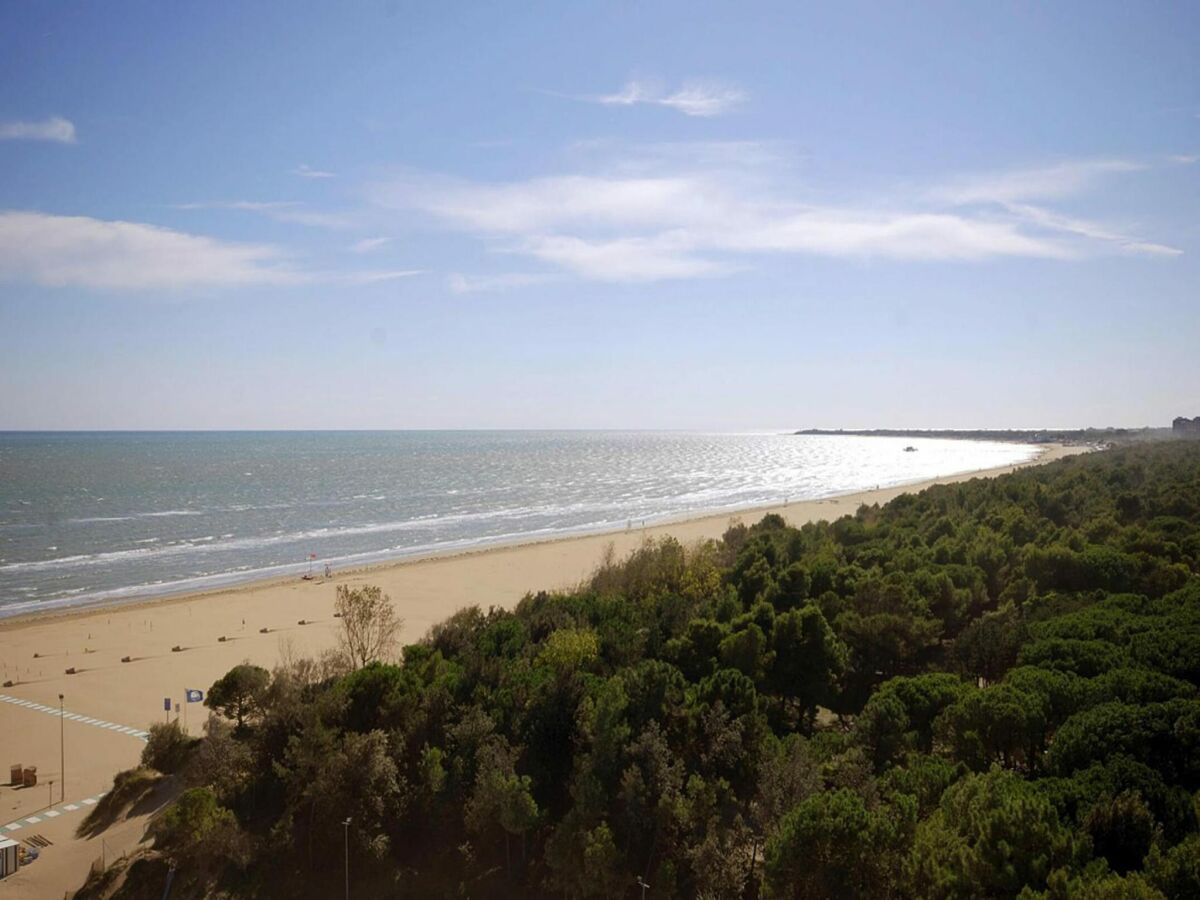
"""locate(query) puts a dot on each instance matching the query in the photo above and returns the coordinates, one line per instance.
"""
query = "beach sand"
(130, 695)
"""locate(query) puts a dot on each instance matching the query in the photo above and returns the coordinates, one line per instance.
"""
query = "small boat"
(910, 449)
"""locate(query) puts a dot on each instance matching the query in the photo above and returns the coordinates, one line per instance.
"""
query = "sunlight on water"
(91, 516)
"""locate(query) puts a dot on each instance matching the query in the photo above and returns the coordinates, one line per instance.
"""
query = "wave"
(613, 512)
(520, 499)
(212, 544)
(243, 574)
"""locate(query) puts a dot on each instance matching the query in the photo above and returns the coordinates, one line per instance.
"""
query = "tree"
(570, 649)
(238, 693)
(1176, 872)
(923, 697)
(808, 658)
(370, 626)
(166, 748)
(991, 836)
(832, 845)
(502, 798)
(221, 761)
(988, 647)
(1122, 829)
(745, 651)
(199, 832)
(883, 728)
(327, 778)
(999, 724)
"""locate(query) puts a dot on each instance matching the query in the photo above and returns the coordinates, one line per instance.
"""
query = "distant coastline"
(1072, 437)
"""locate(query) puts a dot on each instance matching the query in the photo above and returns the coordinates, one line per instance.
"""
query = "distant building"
(1185, 427)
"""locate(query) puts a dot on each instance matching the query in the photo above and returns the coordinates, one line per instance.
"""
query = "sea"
(89, 518)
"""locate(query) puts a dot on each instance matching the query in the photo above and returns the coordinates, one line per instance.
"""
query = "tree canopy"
(987, 689)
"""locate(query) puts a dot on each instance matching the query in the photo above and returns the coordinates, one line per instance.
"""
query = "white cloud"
(542, 203)
(1091, 230)
(651, 258)
(1048, 182)
(916, 236)
(78, 251)
(281, 211)
(55, 129)
(1185, 159)
(473, 284)
(693, 98)
(664, 215)
(304, 170)
(368, 245)
(375, 277)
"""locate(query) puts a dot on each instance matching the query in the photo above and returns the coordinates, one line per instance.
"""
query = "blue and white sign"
(193, 695)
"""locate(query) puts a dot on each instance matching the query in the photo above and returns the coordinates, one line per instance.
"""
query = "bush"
(198, 832)
(167, 748)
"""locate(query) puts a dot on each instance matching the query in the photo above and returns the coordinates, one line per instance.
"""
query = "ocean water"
(93, 517)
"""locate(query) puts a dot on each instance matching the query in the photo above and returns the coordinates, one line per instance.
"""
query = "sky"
(598, 215)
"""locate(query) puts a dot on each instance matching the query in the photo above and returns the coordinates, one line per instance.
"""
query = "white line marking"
(77, 717)
(89, 801)
(32, 820)
(13, 827)
(71, 807)
(52, 814)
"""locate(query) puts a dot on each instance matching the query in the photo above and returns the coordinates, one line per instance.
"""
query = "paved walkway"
(52, 813)
(76, 717)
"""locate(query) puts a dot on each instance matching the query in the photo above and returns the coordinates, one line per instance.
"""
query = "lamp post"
(643, 885)
(62, 750)
(346, 831)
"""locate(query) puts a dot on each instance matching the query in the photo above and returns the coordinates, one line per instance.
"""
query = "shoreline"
(114, 666)
(108, 605)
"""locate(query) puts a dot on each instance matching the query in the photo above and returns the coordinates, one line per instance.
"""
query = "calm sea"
(93, 517)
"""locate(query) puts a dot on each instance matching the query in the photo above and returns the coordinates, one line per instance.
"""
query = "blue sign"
(167, 703)
(193, 695)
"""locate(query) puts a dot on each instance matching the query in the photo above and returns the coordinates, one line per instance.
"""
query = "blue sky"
(674, 215)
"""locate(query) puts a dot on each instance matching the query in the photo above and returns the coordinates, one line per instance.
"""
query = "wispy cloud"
(1185, 159)
(1093, 231)
(376, 277)
(474, 284)
(652, 216)
(1041, 183)
(279, 210)
(56, 129)
(304, 170)
(78, 251)
(369, 245)
(693, 98)
(1018, 193)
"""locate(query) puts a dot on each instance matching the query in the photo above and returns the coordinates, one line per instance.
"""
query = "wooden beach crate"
(29, 776)
(15, 776)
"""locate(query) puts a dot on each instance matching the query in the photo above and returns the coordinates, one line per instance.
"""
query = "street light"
(62, 750)
(643, 885)
(346, 830)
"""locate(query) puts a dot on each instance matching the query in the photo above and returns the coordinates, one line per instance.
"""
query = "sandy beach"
(109, 702)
